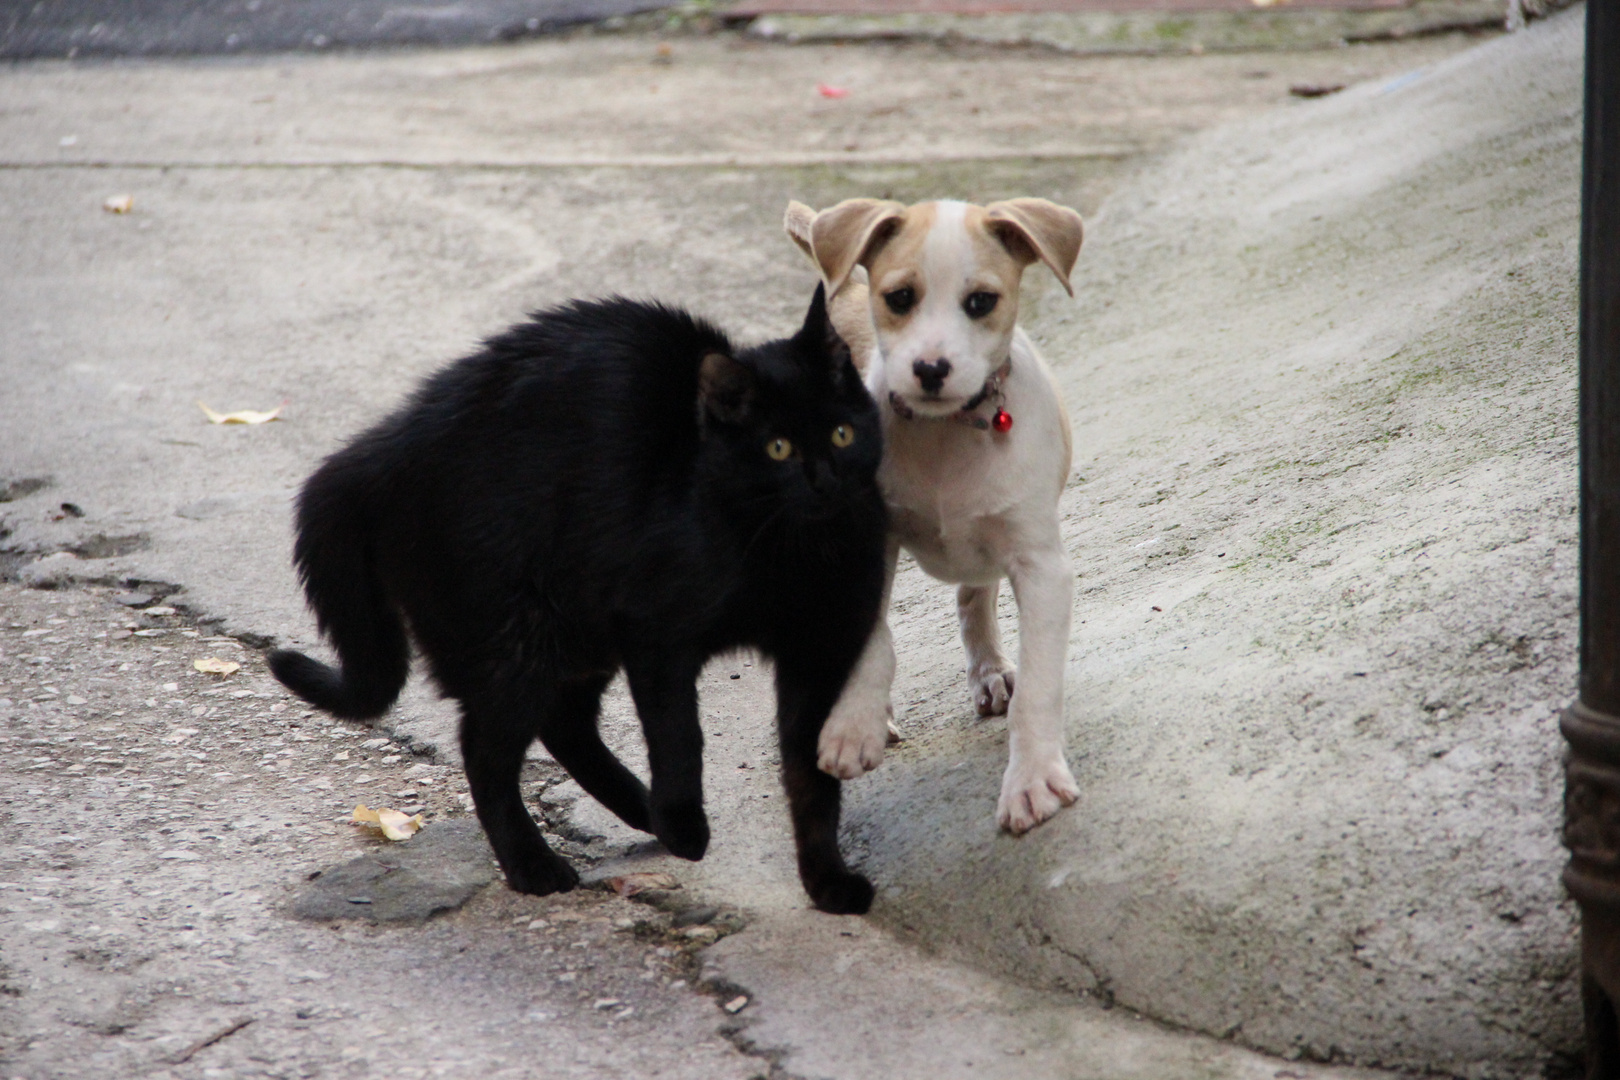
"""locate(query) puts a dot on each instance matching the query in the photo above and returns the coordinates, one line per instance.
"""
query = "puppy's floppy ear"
(819, 333)
(849, 234)
(1032, 229)
(725, 389)
(797, 223)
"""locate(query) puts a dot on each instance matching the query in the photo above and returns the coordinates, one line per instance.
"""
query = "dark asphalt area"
(36, 29)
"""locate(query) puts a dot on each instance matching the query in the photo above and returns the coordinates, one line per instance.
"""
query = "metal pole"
(1592, 724)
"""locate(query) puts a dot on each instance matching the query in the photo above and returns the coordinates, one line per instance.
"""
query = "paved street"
(74, 28)
(316, 232)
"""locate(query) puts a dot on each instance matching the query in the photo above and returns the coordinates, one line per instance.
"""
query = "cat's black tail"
(335, 561)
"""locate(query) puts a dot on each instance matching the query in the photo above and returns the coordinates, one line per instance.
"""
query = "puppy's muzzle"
(931, 376)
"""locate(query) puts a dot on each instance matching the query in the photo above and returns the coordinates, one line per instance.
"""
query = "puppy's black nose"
(931, 376)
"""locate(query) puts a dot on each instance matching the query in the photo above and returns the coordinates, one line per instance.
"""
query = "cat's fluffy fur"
(599, 489)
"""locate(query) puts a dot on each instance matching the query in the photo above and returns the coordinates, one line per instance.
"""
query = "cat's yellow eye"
(843, 435)
(779, 449)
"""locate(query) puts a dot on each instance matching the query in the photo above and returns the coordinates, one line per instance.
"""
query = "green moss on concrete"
(1146, 32)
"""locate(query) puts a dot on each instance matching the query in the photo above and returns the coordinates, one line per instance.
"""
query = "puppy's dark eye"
(979, 304)
(901, 300)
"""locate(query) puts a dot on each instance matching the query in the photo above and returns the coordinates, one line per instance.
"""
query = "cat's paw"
(853, 740)
(683, 829)
(841, 892)
(993, 688)
(541, 876)
(1033, 792)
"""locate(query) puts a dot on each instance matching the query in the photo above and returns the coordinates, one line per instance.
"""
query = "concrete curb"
(1143, 32)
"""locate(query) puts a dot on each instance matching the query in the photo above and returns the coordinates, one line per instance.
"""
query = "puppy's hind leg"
(495, 733)
(569, 731)
(990, 673)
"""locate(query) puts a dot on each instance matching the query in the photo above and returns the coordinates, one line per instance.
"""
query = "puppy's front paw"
(1032, 793)
(853, 739)
(993, 689)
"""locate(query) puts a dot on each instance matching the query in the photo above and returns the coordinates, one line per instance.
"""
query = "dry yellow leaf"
(394, 824)
(213, 665)
(629, 885)
(241, 416)
(119, 204)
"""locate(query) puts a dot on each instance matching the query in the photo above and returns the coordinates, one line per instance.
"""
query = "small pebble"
(694, 916)
(736, 1004)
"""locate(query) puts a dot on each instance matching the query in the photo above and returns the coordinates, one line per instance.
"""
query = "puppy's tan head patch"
(945, 253)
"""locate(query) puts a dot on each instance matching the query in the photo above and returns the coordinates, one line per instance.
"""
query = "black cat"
(608, 485)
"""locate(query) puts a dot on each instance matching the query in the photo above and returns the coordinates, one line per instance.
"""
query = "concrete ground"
(1322, 373)
(321, 231)
(160, 820)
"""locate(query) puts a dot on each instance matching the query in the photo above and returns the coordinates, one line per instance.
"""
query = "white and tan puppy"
(977, 453)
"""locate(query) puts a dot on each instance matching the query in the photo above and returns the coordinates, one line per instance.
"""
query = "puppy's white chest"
(941, 509)
(963, 552)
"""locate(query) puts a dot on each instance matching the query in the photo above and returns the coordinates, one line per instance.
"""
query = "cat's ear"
(725, 389)
(821, 336)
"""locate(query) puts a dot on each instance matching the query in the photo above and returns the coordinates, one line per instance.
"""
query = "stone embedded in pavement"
(439, 870)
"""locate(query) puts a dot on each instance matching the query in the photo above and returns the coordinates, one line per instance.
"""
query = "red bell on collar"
(1002, 421)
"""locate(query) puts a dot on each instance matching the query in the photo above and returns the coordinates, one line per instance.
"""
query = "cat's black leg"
(570, 733)
(804, 696)
(494, 738)
(665, 693)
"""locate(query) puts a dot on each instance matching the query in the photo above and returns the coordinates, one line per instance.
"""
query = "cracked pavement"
(322, 231)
